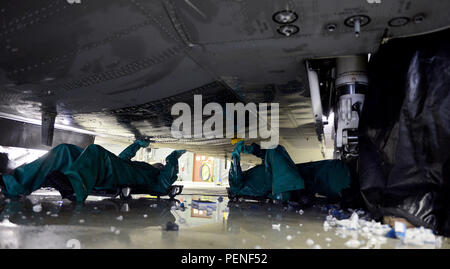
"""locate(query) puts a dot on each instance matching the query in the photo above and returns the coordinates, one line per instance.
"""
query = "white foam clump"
(421, 236)
(350, 223)
(375, 232)
(309, 242)
(276, 227)
(354, 223)
(119, 218)
(354, 226)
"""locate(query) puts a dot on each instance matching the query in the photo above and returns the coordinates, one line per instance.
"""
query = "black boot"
(60, 182)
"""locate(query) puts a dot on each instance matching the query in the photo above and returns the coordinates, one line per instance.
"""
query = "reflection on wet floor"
(191, 221)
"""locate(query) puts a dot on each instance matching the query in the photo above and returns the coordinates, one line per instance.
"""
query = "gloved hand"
(177, 153)
(248, 149)
(143, 143)
(254, 149)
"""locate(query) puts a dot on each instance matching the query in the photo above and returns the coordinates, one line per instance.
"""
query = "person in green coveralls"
(75, 172)
(279, 178)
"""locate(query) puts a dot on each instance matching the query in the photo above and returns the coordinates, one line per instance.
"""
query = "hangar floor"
(208, 221)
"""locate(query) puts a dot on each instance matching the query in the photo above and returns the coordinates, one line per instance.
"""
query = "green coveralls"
(327, 177)
(274, 179)
(93, 168)
(279, 175)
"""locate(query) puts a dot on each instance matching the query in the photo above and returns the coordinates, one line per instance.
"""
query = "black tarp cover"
(405, 131)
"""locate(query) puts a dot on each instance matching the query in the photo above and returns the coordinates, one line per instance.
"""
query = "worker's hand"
(178, 153)
(247, 149)
(251, 149)
(143, 143)
(173, 157)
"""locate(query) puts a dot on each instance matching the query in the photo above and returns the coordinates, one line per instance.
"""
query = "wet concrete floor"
(43, 220)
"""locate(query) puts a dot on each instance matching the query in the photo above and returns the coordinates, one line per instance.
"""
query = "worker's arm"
(128, 153)
(169, 173)
(254, 149)
(235, 176)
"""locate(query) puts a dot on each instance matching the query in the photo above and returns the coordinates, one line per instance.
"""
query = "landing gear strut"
(338, 86)
(351, 86)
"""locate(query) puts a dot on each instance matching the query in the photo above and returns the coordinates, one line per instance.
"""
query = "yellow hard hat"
(236, 140)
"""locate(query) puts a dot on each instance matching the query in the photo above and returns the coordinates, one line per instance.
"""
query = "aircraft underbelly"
(116, 67)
